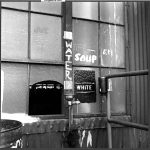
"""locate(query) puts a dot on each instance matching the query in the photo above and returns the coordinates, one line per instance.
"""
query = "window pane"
(14, 34)
(46, 7)
(90, 108)
(46, 37)
(85, 42)
(118, 91)
(15, 88)
(41, 73)
(112, 46)
(18, 5)
(112, 12)
(88, 10)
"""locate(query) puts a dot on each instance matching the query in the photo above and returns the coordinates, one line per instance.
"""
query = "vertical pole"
(105, 87)
(1, 74)
(70, 116)
(109, 133)
(68, 82)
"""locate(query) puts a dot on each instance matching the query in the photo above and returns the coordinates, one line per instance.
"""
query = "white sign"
(68, 85)
(85, 58)
(107, 52)
(68, 60)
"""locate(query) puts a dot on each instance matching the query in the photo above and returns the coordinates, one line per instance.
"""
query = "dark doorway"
(45, 98)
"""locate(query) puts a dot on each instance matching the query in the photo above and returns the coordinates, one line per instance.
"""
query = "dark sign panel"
(45, 98)
(85, 88)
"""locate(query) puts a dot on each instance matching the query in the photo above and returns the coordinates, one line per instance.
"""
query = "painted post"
(68, 82)
(109, 132)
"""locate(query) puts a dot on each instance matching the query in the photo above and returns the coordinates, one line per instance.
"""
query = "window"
(16, 5)
(112, 52)
(15, 88)
(112, 12)
(98, 42)
(112, 46)
(46, 7)
(14, 34)
(33, 51)
(46, 38)
(88, 10)
(117, 91)
(85, 44)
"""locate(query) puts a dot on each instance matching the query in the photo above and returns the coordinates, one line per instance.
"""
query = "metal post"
(109, 133)
(104, 86)
(68, 44)
(70, 114)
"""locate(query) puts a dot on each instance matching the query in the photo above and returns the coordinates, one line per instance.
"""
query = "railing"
(104, 85)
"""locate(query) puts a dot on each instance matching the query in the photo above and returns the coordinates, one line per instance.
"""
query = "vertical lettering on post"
(68, 83)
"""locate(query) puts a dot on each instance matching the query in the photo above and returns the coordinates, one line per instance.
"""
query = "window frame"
(28, 61)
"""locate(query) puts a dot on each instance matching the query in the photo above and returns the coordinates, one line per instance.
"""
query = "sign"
(68, 83)
(85, 58)
(68, 60)
(84, 85)
(83, 55)
(45, 98)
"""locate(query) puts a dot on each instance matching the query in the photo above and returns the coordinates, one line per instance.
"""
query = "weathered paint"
(137, 58)
(122, 138)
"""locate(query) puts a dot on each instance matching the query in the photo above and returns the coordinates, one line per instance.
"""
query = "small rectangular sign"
(67, 35)
(68, 85)
(85, 86)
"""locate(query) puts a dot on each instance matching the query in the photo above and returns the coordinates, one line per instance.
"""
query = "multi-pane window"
(31, 46)
(33, 51)
(98, 33)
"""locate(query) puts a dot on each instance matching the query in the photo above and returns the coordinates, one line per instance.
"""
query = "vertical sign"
(68, 83)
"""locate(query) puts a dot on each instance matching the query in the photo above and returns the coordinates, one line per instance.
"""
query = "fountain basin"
(10, 132)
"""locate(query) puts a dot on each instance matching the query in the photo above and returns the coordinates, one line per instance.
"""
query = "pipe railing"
(129, 124)
(104, 86)
(127, 74)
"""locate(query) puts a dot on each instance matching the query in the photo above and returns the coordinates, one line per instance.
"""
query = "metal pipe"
(126, 74)
(139, 126)
(129, 124)
(70, 116)
(109, 133)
